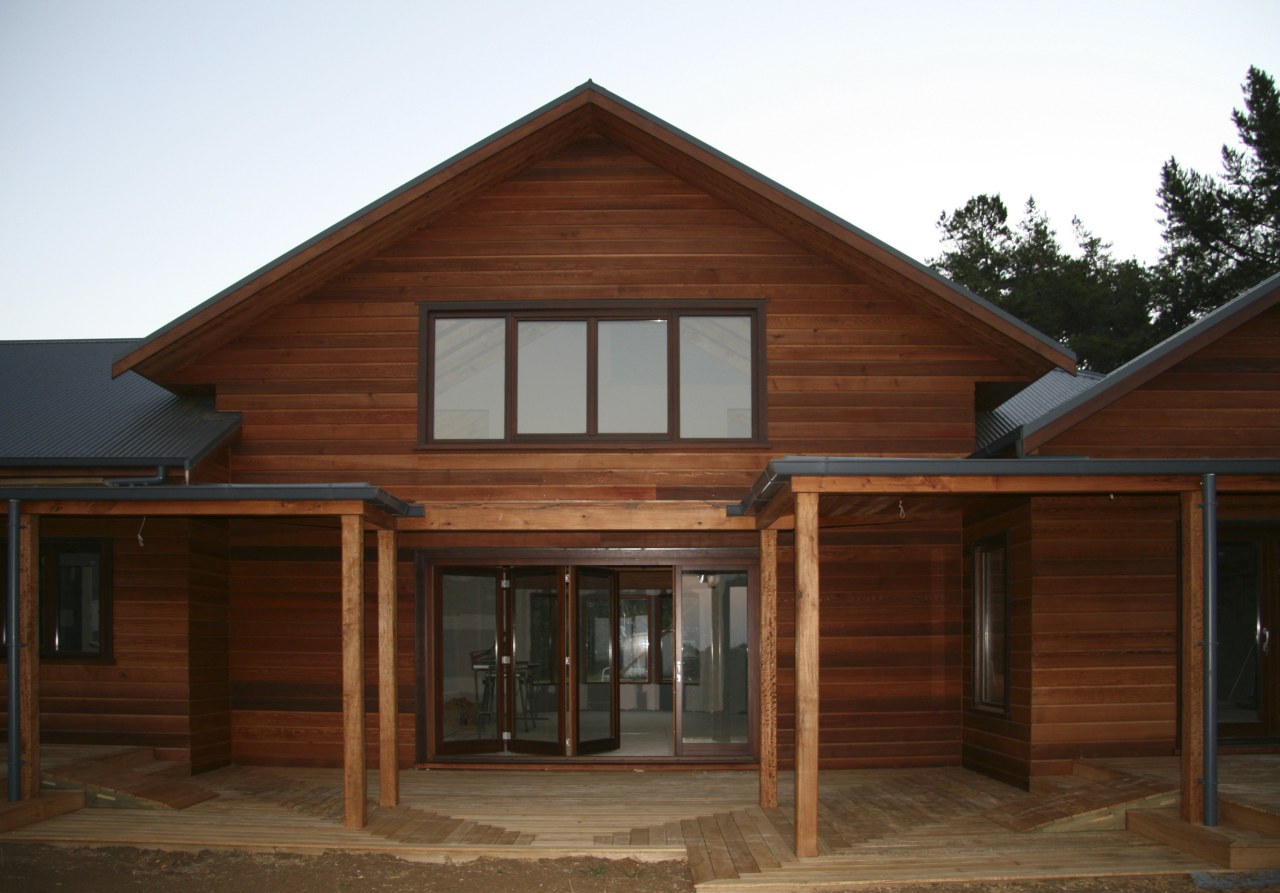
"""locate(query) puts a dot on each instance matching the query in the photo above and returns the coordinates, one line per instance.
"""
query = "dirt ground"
(37, 868)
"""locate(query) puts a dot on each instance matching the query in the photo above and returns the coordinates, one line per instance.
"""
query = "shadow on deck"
(876, 826)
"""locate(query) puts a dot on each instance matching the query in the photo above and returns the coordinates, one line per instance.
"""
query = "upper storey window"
(619, 372)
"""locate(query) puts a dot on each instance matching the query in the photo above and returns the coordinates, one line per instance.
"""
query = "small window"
(991, 625)
(622, 372)
(75, 615)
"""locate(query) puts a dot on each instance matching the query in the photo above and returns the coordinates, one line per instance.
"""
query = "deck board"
(878, 826)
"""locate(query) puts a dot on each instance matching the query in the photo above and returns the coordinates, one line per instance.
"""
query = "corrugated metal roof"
(1033, 401)
(60, 406)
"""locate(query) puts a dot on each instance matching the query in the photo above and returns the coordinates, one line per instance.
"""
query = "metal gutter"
(362, 492)
(780, 471)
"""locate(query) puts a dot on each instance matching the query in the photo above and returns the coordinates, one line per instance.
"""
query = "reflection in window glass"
(551, 362)
(991, 617)
(633, 639)
(77, 627)
(632, 376)
(469, 379)
(715, 376)
(714, 665)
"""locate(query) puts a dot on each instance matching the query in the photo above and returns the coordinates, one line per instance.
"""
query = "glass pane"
(468, 656)
(992, 609)
(595, 658)
(469, 379)
(551, 367)
(1238, 632)
(78, 626)
(633, 639)
(713, 653)
(537, 655)
(666, 638)
(632, 376)
(715, 376)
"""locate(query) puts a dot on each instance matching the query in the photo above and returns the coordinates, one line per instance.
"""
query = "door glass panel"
(551, 389)
(713, 654)
(469, 379)
(633, 639)
(1238, 628)
(537, 655)
(597, 669)
(468, 682)
(715, 376)
(632, 376)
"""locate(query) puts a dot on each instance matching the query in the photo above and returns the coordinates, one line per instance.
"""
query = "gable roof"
(588, 109)
(63, 408)
(996, 429)
(1140, 370)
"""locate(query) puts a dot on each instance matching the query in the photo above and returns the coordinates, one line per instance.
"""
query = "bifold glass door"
(574, 661)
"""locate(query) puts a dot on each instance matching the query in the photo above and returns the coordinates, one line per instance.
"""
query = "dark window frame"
(592, 313)
(50, 593)
(985, 698)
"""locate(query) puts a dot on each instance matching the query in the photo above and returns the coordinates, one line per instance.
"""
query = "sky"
(153, 152)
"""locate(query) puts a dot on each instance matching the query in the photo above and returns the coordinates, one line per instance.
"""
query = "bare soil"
(39, 868)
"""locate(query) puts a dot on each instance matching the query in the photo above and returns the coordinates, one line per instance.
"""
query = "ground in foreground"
(40, 868)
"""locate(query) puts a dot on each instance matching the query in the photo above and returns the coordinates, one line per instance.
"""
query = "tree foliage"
(1221, 237)
(1095, 304)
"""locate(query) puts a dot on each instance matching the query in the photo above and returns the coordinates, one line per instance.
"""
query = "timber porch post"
(807, 638)
(768, 673)
(28, 668)
(353, 747)
(388, 717)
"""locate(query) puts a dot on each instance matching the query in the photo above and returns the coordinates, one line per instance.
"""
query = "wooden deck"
(943, 824)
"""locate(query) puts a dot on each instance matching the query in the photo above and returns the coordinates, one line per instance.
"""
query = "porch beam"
(29, 656)
(388, 711)
(353, 736)
(768, 670)
(1026, 484)
(208, 507)
(807, 706)
(551, 516)
(1191, 733)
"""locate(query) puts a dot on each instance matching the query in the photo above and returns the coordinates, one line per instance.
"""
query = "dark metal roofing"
(1038, 398)
(61, 407)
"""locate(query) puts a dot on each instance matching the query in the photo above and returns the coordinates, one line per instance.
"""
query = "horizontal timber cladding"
(156, 690)
(998, 743)
(1105, 597)
(286, 644)
(1223, 401)
(890, 645)
(328, 385)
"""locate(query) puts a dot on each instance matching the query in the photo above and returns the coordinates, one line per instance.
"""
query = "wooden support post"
(768, 671)
(388, 717)
(353, 746)
(1192, 653)
(29, 657)
(807, 640)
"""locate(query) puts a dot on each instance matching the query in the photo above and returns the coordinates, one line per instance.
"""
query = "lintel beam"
(553, 516)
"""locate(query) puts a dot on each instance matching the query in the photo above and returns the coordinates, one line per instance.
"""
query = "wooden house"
(531, 460)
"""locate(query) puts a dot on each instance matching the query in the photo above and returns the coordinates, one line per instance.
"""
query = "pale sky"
(156, 151)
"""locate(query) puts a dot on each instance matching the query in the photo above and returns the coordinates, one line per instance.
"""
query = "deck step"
(1230, 845)
(130, 779)
(46, 806)
(1096, 799)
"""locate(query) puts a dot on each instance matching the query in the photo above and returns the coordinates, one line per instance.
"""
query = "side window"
(75, 593)
(991, 625)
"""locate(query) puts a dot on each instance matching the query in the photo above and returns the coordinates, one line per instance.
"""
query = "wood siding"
(1223, 402)
(1105, 626)
(890, 645)
(155, 691)
(328, 385)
